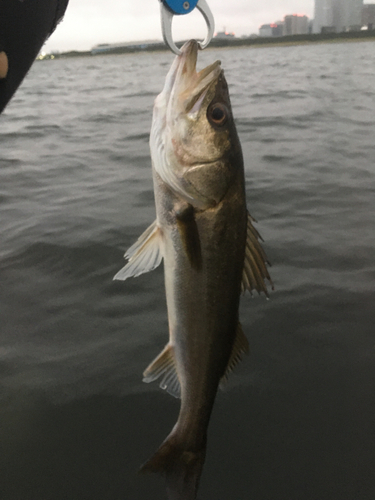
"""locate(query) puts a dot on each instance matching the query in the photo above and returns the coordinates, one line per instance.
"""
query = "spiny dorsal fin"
(255, 266)
(164, 366)
(145, 255)
(240, 347)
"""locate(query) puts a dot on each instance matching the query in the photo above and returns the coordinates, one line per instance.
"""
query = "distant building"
(368, 16)
(103, 48)
(323, 16)
(224, 34)
(296, 24)
(265, 30)
(347, 15)
(337, 15)
(274, 29)
(328, 29)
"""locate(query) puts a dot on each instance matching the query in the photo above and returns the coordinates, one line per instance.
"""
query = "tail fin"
(180, 466)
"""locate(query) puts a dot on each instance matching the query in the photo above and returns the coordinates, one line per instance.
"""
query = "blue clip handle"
(169, 8)
(179, 7)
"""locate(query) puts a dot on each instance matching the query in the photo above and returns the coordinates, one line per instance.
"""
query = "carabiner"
(170, 8)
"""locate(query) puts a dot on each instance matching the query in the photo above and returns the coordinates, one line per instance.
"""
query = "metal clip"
(166, 24)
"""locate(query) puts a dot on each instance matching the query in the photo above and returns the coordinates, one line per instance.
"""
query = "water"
(297, 418)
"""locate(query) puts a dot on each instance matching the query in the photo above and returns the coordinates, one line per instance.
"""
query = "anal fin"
(145, 255)
(164, 366)
(240, 347)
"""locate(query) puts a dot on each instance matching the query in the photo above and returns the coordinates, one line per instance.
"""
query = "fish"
(211, 252)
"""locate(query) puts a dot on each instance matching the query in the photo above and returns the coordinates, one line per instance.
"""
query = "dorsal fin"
(240, 347)
(164, 366)
(145, 255)
(255, 266)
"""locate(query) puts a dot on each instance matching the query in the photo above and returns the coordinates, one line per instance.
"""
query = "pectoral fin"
(164, 366)
(187, 227)
(255, 266)
(240, 347)
(145, 255)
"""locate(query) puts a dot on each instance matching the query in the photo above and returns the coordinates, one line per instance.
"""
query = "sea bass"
(211, 253)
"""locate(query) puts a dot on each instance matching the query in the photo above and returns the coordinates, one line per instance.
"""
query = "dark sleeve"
(24, 27)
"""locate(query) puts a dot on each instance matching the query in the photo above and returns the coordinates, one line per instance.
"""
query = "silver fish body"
(211, 253)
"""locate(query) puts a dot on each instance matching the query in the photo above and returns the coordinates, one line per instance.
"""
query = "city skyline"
(91, 22)
(88, 23)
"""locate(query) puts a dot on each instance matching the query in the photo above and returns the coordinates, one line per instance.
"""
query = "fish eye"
(217, 114)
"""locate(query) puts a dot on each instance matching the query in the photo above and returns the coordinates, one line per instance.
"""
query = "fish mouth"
(184, 84)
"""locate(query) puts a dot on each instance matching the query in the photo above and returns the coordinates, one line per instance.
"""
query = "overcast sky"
(89, 22)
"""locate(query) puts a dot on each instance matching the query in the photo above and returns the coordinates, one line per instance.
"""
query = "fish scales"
(203, 303)
(211, 253)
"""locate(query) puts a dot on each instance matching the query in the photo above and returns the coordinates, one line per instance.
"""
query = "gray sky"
(89, 22)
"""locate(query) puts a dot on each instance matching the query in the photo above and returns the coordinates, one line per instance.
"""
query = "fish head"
(194, 143)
